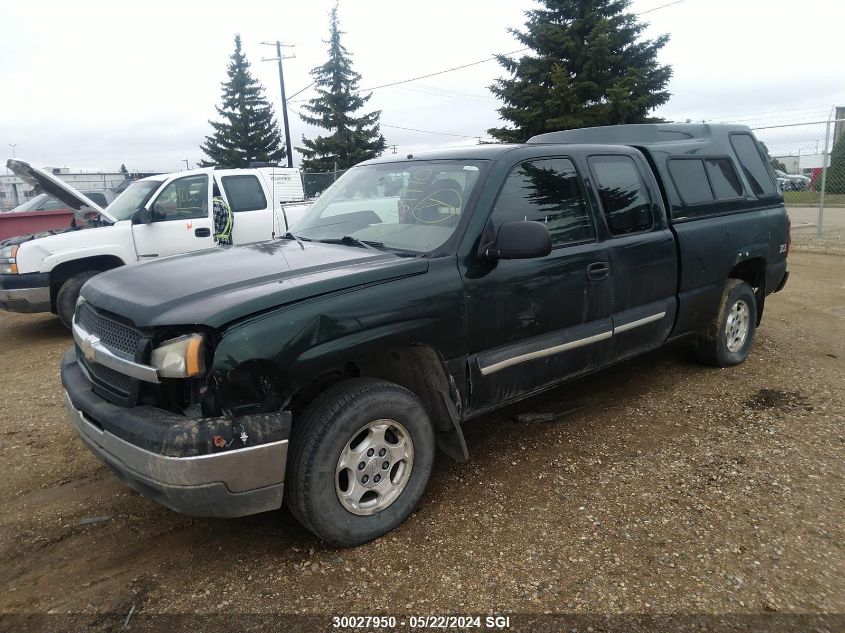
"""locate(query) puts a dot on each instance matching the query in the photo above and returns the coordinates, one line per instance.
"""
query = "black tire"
(69, 293)
(719, 345)
(329, 423)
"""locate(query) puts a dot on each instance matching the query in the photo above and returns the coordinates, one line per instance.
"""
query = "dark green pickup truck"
(414, 295)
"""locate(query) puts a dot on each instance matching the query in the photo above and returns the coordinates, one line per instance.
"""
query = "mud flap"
(452, 442)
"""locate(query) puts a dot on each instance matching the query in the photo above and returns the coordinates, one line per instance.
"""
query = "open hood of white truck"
(56, 187)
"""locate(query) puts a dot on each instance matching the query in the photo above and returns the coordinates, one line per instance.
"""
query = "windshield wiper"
(291, 236)
(352, 241)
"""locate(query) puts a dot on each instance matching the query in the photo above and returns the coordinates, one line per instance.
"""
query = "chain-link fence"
(809, 161)
(316, 182)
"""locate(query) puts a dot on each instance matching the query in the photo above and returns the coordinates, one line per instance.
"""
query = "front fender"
(301, 342)
(112, 250)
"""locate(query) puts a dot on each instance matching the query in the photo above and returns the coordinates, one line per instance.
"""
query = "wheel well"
(418, 368)
(753, 272)
(66, 270)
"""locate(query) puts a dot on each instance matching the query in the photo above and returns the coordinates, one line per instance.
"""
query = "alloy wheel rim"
(737, 325)
(374, 467)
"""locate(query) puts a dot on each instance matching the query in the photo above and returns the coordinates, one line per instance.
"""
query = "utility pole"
(279, 58)
(185, 160)
(393, 147)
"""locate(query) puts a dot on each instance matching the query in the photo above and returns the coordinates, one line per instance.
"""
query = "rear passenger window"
(753, 165)
(244, 193)
(624, 196)
(546, 191)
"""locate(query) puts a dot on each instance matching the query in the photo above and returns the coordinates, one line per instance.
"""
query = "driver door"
(181, 219)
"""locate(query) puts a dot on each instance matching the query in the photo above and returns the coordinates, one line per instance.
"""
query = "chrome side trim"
(94, 351)
(545, 352)
(240, 470)
(630, 326)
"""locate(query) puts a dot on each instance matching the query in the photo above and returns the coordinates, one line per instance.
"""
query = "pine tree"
(353, 139)
(835, 181)
(248, 131)
(123, 169)
(587, 67)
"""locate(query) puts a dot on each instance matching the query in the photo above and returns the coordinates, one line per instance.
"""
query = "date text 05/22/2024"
(422, 622)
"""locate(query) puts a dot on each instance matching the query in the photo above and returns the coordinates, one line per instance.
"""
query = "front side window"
(244, 193)
(546, 191)
(624, 196)
(410, 206)
(751, 160)
(183, 199)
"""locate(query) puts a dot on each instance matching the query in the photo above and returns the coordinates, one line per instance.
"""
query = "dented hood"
(218, 286)
(56, 187)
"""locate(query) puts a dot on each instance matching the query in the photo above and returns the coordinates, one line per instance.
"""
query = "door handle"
(202, 232)
(598, 271)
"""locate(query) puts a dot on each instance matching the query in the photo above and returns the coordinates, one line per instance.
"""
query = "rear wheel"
(360, 460)
(729, 338)
(68, 295)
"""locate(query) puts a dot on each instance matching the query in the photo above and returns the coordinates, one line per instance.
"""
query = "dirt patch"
(672, 488)
(777, 399)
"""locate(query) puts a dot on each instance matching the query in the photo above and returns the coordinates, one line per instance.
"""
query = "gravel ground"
(671, 488)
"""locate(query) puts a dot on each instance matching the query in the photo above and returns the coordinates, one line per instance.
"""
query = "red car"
(42, 213)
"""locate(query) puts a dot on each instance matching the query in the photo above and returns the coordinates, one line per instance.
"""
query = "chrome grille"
(112, 334)
(109, 378)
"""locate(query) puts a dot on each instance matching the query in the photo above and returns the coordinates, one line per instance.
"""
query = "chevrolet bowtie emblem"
(87, 347)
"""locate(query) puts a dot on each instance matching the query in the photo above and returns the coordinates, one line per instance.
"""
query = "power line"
(462, 66)
(301, 91)
(662, 6)
(412, 129)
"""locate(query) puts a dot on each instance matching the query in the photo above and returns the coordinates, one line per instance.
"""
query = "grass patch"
(811, 198)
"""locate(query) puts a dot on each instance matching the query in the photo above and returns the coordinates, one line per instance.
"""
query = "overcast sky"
(97, 84)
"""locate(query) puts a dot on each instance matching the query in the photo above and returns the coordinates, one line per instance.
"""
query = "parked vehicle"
(44, 213)
(154, 217)
(329, 364)
(793, 182)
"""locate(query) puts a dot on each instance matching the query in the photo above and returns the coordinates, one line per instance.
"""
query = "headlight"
(181, 357)
(8, 263)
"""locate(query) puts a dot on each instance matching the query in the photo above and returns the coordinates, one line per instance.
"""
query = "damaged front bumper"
(150, 451)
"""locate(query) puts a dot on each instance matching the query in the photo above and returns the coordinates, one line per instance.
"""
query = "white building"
(14, 191)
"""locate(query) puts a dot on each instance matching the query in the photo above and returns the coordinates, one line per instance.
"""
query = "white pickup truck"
(154, 217)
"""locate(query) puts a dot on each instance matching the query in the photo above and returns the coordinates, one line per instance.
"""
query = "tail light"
(788, 234)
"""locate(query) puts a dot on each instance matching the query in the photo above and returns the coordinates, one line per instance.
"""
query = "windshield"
(132, 199)
(29, 205)
(412, 206)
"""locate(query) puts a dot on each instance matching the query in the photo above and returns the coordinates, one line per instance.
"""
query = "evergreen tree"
(248, 130)
(835, 181)
(353, 138)
(587, 67)
(123, 169)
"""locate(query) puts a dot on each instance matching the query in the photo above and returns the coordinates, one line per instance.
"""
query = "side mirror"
(524, 239)
(142, 216)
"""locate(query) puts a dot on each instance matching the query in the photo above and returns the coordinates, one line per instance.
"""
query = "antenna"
(273, 204)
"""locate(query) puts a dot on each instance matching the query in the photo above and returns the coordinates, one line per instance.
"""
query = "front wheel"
(69, 293)
(729, 337)
(360, 460)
